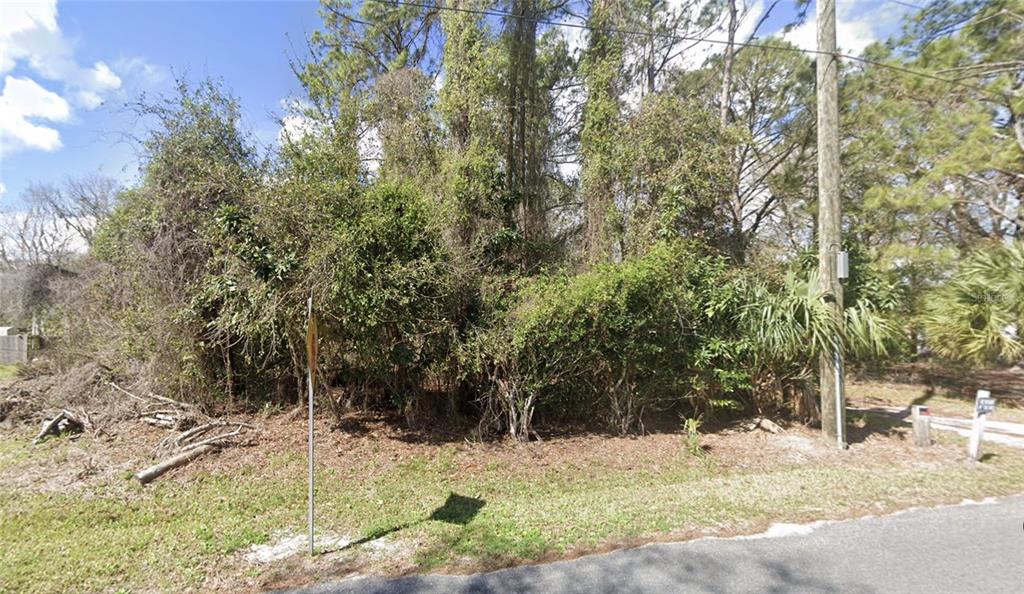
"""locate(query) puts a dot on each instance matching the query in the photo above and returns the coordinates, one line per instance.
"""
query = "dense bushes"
(677, 328)
(215, 278)
(201, 275)
(612, 342)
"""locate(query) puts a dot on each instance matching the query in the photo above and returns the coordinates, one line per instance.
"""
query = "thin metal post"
(309, 388)
(840, 395)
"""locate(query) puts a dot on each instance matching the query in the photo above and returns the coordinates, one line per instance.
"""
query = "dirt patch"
(95, 463)
(85, 464)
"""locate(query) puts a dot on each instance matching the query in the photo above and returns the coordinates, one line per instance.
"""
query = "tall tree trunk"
(725, 99)
(738, 241)
(601, 68)
(525, 125)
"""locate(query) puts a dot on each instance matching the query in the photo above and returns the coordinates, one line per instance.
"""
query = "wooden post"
(984, 405)
(922, 418)
(833, 402)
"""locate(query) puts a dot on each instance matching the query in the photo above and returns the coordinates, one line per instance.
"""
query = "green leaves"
(977, 317)
(791, 322)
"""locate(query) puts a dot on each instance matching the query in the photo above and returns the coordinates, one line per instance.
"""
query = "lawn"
(8, 371)
(452, 506)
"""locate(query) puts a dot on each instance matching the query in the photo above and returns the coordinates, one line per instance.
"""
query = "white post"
(983, 405)
(309, 388)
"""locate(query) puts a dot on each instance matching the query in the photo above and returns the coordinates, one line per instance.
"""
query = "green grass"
(171, 535)
(8, 371)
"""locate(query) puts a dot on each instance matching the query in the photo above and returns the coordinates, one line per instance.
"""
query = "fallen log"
(159, 422)
(147, 475)
(64, 422)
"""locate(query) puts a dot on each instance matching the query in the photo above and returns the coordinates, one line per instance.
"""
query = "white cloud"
(17, 26)
(295, 124)
(104, 77)
(22, 101)
(294, 127)
(140, 70)
(3, 189)
(33, 48)
(856, 28)
(88, 99)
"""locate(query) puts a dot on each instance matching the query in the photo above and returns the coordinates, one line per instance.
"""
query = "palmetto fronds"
(977, 316)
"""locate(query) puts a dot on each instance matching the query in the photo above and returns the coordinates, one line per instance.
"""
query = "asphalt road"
(967, 548)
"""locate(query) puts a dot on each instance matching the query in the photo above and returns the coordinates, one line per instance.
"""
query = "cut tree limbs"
(193, 443)
(147, 475)
(64, 422)
(162, 411)
(199, 434)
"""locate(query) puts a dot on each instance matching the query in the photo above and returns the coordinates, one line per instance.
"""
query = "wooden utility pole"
(833, 402)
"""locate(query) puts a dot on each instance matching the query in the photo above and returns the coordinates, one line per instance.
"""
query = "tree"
(526, 133)
(474, 186)
(936, 167)
(80, 204)
(602, 66)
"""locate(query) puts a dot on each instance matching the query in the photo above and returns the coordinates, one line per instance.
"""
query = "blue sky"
(68, 67)
(145, 45)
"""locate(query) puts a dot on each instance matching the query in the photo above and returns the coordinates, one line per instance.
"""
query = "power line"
(679, 37)
(900, 2)
(907, 4)
(584, 27)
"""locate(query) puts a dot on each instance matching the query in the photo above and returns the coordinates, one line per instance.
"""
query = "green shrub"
(614, 342)
(977, 317)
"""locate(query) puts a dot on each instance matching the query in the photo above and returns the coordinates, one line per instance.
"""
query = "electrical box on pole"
(842, 265)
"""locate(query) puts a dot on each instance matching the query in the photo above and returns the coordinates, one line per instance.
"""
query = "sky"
(68, 68)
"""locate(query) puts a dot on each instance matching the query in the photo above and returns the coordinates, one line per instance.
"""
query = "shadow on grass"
(929, 393)
(457, 509)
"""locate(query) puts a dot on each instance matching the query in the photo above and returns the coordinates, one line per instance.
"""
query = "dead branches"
(161, 411)
(193, 443)
(64, 422)
(8, 406)
(200, 435)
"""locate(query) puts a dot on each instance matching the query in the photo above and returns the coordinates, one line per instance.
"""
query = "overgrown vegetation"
(518, 250)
